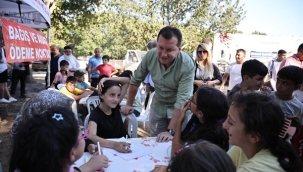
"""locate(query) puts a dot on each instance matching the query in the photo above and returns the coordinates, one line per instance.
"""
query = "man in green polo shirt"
(173, 74)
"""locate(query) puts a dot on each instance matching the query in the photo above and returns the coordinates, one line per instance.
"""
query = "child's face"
(112, 96)
(70, 86)
(65, 68)
(235, 128)
(254, 83)
(285, 87)
(105, 61)
(80, 78)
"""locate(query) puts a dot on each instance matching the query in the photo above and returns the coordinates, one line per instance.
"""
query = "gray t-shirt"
(232, 92)
(291, 107)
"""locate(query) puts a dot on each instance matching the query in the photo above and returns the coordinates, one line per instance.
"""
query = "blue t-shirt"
(82, 85)
(94, 62)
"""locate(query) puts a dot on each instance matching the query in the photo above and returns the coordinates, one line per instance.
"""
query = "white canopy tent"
(32, 13)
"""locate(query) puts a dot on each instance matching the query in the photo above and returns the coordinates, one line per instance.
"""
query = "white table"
(159, 154)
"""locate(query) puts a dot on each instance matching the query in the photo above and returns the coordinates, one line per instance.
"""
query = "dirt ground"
(12, 110)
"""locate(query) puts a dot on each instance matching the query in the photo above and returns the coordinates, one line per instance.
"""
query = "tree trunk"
(30, 79)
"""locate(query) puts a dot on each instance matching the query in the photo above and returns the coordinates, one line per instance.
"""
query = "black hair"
(102, 76)
(202, 156)
(71, 79)
(300, 47)
(106, 57)
(67, 47)
(252, 68)
(293, 73)
(43, 143)
(241, 50)
(152, 44)
(281, 52)
(261, 115)
(64, 63)
(126, 73)
(169, 32)
(214, 106)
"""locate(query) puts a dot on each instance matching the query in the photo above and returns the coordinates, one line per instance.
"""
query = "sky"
(273, 17)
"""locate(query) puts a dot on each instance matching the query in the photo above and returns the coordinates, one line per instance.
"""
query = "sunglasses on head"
(204, 51)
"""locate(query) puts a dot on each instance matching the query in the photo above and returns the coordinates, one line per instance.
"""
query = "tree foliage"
(119, 25)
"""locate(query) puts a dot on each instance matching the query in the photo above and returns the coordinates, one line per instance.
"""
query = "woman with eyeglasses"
(51, 141)
(209, 109)
(206, 73)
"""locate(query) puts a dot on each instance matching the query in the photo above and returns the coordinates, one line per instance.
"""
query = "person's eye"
(229, 122)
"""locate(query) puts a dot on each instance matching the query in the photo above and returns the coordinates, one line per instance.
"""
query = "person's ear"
(254, 137)
(200, 115)
(245, 77)
(72, 155)
(298, 86)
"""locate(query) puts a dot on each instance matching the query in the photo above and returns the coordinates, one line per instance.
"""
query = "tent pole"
(48, 63)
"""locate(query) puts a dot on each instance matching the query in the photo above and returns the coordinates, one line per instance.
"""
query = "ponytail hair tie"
(287, 129)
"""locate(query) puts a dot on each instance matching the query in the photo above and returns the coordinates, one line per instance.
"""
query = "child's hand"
(97, 162)
(185, 107)
(122, 147)
(160, 168)
(92, 148)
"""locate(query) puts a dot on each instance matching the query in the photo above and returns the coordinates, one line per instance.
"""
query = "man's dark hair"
(64, 63)
(168, 32)
(106, 57)
(71, 79)
(68, 47)
(292, 73)
(252, 68)
(241, 50)
(300, 47)
(281, 52)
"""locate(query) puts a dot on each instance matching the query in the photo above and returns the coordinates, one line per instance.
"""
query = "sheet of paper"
(137, 152)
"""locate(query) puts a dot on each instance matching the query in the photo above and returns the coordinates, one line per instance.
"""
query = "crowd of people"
(255, 127)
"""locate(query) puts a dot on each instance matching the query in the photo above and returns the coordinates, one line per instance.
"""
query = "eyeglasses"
(200, 52)
(191, 99)
(84, 133)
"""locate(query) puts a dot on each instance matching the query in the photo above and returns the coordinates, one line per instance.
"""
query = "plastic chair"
(132, 125)
(94, 100)
(142, 94)
(86, 121)
(59, 86)
(144, 116)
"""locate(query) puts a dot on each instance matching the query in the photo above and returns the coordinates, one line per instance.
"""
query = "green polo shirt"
(173, 86)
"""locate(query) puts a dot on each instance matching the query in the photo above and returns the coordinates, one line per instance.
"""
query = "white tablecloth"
(158, 153)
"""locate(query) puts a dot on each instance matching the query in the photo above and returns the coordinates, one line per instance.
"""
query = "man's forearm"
(174, 119)
(132, 91)
(89, 72)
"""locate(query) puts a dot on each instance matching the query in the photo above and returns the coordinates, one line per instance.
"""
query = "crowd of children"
(251, 129)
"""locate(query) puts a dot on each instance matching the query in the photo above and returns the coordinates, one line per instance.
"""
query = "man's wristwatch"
(171, 132)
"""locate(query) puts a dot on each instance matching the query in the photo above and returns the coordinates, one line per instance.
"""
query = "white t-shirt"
(274, 68)
(3, 64)
(148, 80)
(291, 107)
(234, 70)
(73, 62)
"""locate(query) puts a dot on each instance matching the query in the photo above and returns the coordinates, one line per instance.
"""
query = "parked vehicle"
(39, 65)
(130, 62)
